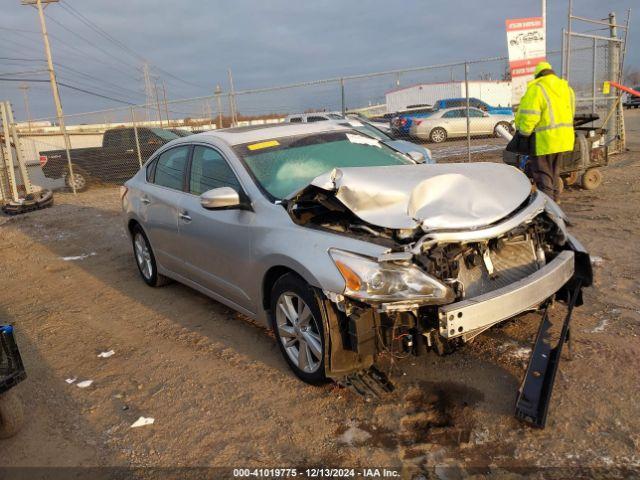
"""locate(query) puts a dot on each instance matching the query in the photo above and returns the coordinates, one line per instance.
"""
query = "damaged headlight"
(366, 279)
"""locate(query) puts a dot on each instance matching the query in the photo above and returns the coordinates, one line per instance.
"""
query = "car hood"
(433, 197)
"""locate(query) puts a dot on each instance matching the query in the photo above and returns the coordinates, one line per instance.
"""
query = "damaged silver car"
(345, 247)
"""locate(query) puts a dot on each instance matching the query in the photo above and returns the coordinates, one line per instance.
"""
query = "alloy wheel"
(143, 256)
(299, 332)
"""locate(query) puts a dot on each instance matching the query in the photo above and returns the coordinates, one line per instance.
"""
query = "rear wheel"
(146, 260)
(438, 135)
(80, 179)
(571, 179)
(591, 179)
(297, 324)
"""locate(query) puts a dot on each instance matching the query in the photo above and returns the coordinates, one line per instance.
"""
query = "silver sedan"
(452, 123)
(342, 245)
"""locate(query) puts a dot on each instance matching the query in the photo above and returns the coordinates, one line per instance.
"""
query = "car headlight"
(366, 279)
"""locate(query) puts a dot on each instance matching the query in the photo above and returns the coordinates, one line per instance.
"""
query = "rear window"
(164, 134)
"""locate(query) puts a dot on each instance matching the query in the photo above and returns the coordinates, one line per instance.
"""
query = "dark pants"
(545, 172)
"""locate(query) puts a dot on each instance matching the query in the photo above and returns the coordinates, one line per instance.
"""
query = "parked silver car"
(452, 123)
(345, 247)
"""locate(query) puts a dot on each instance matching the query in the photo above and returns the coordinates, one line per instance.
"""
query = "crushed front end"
(436, 289)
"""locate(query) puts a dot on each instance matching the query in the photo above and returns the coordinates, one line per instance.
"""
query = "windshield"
(283, 166)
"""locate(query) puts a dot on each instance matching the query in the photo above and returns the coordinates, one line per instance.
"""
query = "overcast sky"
(192, 43)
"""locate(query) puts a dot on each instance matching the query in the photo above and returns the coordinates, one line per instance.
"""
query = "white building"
(495, 93)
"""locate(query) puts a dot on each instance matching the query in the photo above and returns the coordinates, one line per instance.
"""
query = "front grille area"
(516, 260)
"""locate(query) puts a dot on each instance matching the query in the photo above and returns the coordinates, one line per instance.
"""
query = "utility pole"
(218, 92)
(54, 84)
(148, 89)
(25, 92)
(158, 102)
(166, 105)
(232, 100)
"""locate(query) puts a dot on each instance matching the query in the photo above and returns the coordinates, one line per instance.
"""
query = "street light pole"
(54, 84)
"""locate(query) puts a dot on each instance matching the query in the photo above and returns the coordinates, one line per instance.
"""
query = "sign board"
(527, 47)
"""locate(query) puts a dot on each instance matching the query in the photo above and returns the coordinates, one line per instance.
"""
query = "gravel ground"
(221, 395)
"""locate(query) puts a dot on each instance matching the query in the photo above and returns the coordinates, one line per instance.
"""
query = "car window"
(210, 170)
(335, 116)
(475, 113)
(283, 166)
(165, 135)
(150, 168)
(170, 168)
(117, 137)
(453, 114)
(295, 120)
(315, 118)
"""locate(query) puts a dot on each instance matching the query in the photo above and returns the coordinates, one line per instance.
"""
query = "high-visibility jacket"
(547, 108)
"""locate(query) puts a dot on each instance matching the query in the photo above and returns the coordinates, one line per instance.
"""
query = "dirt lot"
(221, 394)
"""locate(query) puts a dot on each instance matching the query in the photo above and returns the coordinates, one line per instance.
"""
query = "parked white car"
(452, 123)
(313, 117)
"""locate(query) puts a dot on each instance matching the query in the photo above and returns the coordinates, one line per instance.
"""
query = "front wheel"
(438, 135)
(297, 324)
(506, 125)
(591, 179)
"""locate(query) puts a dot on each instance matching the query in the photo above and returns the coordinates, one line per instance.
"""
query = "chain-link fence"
(109, 146)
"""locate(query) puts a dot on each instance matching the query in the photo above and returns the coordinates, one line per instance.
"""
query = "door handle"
(145, 200)
(185, 216)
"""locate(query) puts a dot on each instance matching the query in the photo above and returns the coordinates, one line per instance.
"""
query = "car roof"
(257, 133)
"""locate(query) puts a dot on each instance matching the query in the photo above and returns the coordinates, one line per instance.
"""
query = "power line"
(65, 5)
(66, 85)
(91, 77)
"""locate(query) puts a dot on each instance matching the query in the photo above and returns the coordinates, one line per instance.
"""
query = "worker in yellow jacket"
(546, 110)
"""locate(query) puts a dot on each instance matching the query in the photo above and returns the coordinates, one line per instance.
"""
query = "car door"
(119, 160)
(160, 202)
(480, 125)
(216, 243)
(455, 122)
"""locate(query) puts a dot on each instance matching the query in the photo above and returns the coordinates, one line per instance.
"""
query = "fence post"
(614, 74)
(135, 131)
(342, 108)
(11, 169)
(593, 78)
(466, 93)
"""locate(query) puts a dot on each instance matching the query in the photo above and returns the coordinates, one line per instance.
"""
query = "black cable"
(66, 85)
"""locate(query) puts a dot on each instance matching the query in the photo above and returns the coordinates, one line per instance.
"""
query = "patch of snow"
(601, 326)
(522, 353)
(597, 261)
(106, 354)
(142, 421)
(354, 435)
(71, 380)
(78, 257)
(84, 384)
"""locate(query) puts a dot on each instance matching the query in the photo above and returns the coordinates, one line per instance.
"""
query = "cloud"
(265, 43)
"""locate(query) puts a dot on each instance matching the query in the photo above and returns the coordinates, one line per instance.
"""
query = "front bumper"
(473, 315)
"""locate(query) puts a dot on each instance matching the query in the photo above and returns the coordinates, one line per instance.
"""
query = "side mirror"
(417, 157)
(220, 198)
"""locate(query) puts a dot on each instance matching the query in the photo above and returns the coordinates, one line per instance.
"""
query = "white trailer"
(495, 93)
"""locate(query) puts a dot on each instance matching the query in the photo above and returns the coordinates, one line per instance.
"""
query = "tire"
(145, 259)
(571, 179)
(80, 177)
(591, 179)
(438, 135)
(11, 414)
(290, 329)
(506, 125)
